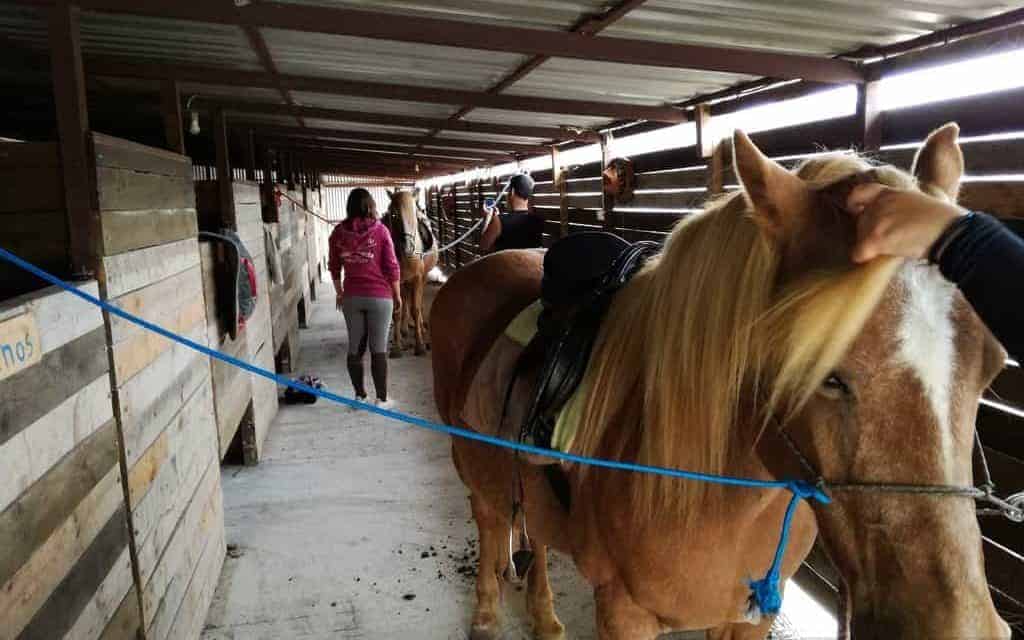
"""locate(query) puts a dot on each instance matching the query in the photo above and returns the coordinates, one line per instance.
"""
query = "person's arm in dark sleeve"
(985, 259)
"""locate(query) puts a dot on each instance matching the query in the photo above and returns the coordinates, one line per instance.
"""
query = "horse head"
(402, 222)
(876, 375)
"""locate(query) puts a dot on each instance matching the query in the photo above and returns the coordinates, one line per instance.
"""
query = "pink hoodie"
(363, 246)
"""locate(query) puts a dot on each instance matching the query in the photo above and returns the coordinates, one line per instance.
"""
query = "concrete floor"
(354, 526)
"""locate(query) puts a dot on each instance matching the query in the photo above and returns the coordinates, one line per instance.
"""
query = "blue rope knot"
(766, 595)
(807, 491)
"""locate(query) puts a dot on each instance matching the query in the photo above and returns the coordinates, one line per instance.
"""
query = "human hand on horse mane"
(897, 222)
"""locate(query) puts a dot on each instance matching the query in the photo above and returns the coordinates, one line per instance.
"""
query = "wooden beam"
(225, 192)
(869, 118)
(80, 197)
(391, 150)
(343, 115)
(119, 67)
(341, 134)
(496, 37)
(607, 202)
(170, 107)
(558, 178)
(259, 46)
(705, 142)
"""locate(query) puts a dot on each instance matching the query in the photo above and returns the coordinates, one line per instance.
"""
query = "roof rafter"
(340, 134)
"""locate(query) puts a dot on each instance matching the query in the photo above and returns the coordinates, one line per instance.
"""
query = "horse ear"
(939, 164)
(779, 198)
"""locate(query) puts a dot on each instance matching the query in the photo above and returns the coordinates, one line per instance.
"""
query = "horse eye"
(834, 382)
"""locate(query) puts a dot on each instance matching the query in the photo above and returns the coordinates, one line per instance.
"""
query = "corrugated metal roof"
(142, 39)
(314, 54)
(549, 14)
(529, 118)
(487, 137)
(609, 82)
(809, 26)
(373, 105)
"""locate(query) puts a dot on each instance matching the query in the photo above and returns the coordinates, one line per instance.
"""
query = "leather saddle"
(582, 272)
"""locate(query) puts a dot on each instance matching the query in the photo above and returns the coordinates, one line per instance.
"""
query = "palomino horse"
(415, 264)
(750, 337)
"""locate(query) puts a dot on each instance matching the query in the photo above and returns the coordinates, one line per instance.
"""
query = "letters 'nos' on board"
(19, 344)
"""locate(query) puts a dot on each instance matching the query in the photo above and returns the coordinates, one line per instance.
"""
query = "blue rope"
(765, 592)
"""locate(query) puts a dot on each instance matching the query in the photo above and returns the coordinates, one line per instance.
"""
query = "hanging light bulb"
(194, 127)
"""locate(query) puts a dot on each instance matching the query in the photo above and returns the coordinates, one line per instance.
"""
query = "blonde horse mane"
(403, 203)
(703, 329)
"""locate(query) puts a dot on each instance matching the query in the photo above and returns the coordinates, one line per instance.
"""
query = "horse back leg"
(396, 334)
(417, 313)
(486, 623)
(619, 617)
(539, 600)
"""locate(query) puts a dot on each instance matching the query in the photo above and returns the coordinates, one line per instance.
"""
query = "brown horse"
(751, 321)
(415, 264)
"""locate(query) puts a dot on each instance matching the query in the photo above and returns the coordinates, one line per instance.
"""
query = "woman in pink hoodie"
(370, 295)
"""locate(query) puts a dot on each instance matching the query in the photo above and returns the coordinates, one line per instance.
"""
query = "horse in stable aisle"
(748, 346)
(416, 250)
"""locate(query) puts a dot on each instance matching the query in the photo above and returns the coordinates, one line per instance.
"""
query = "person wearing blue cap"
(520, 228)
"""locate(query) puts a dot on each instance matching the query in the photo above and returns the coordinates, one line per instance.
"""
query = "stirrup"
(521, 554)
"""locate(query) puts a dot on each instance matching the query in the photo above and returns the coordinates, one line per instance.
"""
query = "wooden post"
(705, 142)
(267, 197)
(279, 161)
(869, 118)
(455, 224)
(225, 192)
(716, 168)
(558, 180)
(174, 128)
(607, 202)
(290, 171)
(80, 197)
(249, 145)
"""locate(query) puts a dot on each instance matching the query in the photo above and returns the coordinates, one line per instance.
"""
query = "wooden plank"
(38, 237)
(1004, 199)
(65, 604)
(151, 399)
(191, 616)
(685, 178)
(201, 522)
(139, 351)
(159, 302)
(585, 202)
(134, 190)
(135, 269)
(19, 155)
(264, 397)
(666, 200)
(26, 457)
(1000, 156)
(125, 622)
(69, 97)
(23, 594)
(61, 315)
(155, 518)
(30, 520)
(62, 373)
(106, 600)
(117, 153)
(20, 344)
(170, 110)
(24, 189)
(129, 230)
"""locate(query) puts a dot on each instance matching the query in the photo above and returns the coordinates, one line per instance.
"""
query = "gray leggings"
(367, 319)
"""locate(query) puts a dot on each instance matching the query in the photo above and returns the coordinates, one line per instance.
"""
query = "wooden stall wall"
(163, 396)
(245, 403)
(288, 298)
(65, 563)
(33, 223)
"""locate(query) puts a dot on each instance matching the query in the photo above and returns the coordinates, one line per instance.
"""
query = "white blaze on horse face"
(926, 338)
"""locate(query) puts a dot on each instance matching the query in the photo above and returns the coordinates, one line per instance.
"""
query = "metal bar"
(225, 192)
(174, 128)
(342, 115)
(107, 66)
(80, 197)
(496, 37)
